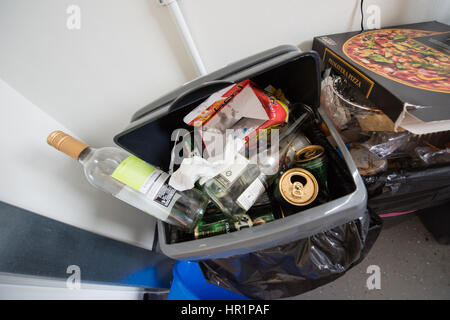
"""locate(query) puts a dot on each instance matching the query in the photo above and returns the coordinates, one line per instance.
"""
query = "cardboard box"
(403, 70)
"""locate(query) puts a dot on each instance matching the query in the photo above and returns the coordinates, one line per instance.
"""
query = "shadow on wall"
(170, 31)
(305, 45)
(351, 23)
(104, 209)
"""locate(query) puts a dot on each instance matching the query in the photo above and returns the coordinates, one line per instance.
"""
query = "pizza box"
(404, 70)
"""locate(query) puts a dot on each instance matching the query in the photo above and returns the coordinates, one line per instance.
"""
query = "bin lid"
(144, 127)
(220, 74)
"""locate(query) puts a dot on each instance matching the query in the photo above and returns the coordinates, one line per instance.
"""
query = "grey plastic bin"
(297, 74)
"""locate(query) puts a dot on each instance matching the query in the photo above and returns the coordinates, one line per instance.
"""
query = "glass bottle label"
(146, 179)
(228, 176)
(165, 195)
(249, 196)
(136, 173)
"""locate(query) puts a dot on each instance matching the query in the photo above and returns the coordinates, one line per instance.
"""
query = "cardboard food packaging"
(403, 70)
(242, 107)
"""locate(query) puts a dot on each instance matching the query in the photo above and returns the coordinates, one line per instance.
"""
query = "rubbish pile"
(250, 153)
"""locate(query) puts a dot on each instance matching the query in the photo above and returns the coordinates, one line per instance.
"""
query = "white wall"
(232, 29)
(127, 53)
(36, 177)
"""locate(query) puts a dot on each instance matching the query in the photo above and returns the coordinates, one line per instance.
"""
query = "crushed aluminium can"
(216, 224)
(220, 224)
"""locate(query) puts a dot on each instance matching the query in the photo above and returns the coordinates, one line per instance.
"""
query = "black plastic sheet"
(300, 266)
(404, 190)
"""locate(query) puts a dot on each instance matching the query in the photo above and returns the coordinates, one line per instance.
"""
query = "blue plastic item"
(149, 277)
(189, 284)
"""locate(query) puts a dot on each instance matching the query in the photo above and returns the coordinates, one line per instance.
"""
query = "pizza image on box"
(397, 55)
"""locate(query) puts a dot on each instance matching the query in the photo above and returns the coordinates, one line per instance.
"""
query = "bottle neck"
(270, 160)
(65, 143)
(86, 155)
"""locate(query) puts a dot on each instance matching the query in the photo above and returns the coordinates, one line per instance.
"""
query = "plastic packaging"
(291, 269)
(361, 123)
(338, 114)
(343, 103)
(366, 162)
(384, 144)
(432, 156)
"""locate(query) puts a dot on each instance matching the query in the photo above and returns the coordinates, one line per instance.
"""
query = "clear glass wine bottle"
(133, 181)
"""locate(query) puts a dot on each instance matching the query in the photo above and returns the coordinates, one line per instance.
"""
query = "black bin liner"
(300, 266)
(404, 190)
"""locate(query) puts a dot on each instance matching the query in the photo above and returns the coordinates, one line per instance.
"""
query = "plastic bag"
(405, 190)
(383, 144)
(367, 162)
(344, 104)
(433, 156)
(338, 114)
(300, 266)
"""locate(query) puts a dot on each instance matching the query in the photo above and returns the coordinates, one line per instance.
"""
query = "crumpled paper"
(199, 169)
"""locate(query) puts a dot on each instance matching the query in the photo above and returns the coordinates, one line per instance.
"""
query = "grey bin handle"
(198, 93)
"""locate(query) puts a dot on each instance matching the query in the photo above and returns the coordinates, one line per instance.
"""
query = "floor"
(36, 246)
(412, 266)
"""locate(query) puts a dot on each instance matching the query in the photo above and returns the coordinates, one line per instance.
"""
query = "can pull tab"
(311, 154)
(298, 189)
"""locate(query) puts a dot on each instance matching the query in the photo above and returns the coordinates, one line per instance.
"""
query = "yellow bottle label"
(136, 173)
